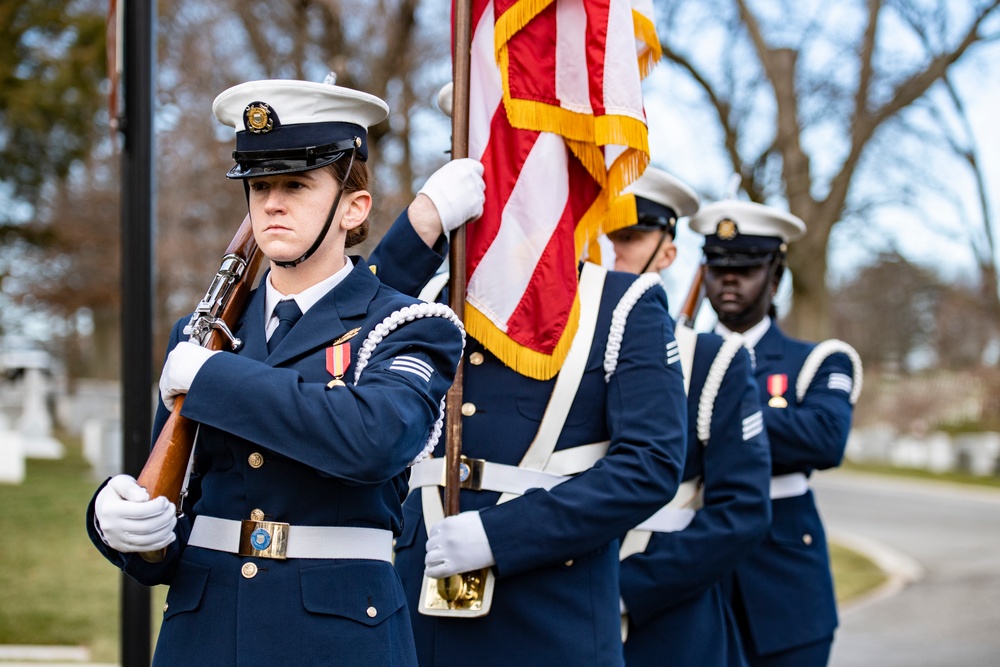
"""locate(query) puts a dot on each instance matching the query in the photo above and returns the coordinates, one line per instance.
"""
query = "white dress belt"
(496, 477)
(504, 478)
(678, 513)
(346, 542)
(788, 486)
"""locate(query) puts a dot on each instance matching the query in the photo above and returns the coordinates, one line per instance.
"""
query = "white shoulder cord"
(818, 355)
(620, 315)
(716, 372)
(389, 324)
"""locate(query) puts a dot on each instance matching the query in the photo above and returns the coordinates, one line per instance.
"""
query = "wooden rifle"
(211, 326)
(689, 311)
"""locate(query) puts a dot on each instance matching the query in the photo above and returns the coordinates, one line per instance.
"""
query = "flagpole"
(456, 283)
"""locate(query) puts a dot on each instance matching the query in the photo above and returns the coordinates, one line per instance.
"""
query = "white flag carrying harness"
(541, 466)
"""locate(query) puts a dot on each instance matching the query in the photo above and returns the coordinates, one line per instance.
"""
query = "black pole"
(137, 224)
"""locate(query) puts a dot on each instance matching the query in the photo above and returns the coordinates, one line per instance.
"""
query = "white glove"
(128, 521)
(183, 363)
(457, 544)
(457, 191)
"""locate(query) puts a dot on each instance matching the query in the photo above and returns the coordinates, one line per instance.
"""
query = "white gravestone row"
(26, 426)
(973, 453)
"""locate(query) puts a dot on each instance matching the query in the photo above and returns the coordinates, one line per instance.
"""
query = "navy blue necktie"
(288, 314)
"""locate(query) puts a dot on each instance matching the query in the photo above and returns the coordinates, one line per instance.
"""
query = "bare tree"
(888, 312)
(392, 48)
(818, 83)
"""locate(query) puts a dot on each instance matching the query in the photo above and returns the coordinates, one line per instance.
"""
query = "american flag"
(556, 117)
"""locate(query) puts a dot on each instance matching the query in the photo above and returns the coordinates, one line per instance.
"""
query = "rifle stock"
(210, 326)
(693, 300)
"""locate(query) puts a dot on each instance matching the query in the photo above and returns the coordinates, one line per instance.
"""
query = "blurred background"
(874, 121)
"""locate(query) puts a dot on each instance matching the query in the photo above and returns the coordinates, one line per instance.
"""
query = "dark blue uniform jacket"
(678, 611)
(556, 551)
(331, 457)
(785, 586)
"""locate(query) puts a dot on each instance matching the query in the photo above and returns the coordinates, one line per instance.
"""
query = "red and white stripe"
(522, 254)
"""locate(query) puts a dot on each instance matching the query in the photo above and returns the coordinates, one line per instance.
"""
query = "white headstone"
(11, 454)
(35, 423)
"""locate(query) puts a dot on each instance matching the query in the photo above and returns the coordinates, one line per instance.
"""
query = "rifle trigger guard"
(220, 324)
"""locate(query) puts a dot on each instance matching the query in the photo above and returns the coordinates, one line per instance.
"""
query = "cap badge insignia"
(257, 118)
(726, 229)
(776, 386)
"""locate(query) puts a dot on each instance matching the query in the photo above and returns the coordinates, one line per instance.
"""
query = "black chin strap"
(663, 236)
(329, 218)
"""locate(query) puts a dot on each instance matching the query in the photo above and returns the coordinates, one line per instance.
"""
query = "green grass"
(56, 588)
(853, 574)
(955, 477)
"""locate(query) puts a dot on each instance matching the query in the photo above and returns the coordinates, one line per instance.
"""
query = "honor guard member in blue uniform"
(783, 593)
(580, 459)
(674, 564)
(283, 552)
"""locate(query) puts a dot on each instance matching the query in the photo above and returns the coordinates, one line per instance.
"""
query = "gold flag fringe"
(513, 20)
(527, 362)
(584, 135)
(645, 32)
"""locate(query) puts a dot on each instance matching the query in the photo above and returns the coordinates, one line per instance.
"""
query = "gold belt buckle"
(263, 539)
(470, 473)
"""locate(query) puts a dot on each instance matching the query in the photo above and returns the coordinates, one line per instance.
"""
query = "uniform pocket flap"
(796, 524)
(366, 592)
(186, 589)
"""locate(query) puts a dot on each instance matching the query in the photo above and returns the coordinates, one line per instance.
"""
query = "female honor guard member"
(291, 446)
(783, 593)
(674, 564)
(616, 456)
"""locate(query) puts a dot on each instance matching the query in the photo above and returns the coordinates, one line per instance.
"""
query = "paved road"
(946, 539)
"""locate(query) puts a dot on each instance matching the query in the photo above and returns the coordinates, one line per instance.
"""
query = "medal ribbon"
(338, 358)
(777, 384)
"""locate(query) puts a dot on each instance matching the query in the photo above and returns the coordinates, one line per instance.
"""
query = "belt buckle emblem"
(263, 539)
(470, 473)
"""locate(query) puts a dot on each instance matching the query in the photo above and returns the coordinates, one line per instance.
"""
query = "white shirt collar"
(305, 299)
(752, 335)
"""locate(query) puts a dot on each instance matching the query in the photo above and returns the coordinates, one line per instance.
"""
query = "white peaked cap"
(749, 218)
(660, 187)
(300, 102)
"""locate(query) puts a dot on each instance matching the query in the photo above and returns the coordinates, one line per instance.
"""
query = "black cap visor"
(736, 258)
(262, 159)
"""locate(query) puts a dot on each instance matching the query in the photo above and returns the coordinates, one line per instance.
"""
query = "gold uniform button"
(257, 515)
(249, 570)
(807, 539)
(569, 563)
(165, 607)
(255, 460)
(372, 612)
(476, 358)
(468, 409)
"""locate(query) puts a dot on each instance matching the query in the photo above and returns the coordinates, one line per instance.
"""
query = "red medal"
(776, 386)
(338, 358)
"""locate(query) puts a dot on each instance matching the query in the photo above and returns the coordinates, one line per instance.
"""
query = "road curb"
(900, 568)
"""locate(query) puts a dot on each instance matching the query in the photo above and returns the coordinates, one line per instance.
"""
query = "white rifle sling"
(816, 358)
(432, 290)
